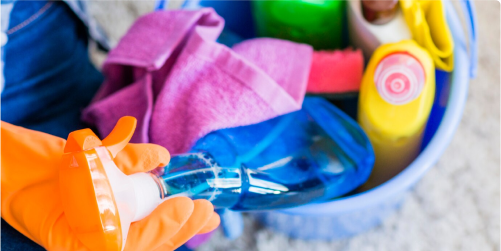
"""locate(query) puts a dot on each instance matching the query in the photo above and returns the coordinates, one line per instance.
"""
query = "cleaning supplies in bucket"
(395, 100)
(318, 23)
(313, 154)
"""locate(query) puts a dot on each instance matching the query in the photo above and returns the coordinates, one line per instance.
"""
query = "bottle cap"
(86, 187)
(379, 5)
(379, 11)
(399, 78)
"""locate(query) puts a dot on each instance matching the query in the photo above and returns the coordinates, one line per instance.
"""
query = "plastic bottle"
(396, 97)
(287, 161)
(315, 22)
(370, 34)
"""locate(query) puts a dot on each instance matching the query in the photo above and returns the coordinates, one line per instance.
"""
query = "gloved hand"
(31, 200)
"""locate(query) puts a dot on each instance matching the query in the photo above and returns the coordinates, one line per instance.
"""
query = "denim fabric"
(48, 75)
(48, 78)
(6, 8)
(12, 240)
(80, 8)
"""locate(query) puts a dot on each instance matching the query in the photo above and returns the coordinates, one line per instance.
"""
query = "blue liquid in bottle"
(315, 154)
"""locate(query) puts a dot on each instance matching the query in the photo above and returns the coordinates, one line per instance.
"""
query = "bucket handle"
(468, 8)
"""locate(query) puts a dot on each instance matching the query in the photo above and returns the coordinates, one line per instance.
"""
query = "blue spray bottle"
(317, 153)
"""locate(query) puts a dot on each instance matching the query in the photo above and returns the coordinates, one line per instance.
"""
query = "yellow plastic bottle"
(395, 100)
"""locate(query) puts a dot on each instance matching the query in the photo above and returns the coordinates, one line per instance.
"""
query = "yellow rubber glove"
(427, 22)
(31, 202)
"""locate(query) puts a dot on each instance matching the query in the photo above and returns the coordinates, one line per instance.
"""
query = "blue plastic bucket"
(354, 214)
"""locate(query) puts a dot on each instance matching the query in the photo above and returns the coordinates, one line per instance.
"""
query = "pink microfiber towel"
(334, 72)
(170, 74)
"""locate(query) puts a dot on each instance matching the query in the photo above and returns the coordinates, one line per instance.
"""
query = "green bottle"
(319, 23)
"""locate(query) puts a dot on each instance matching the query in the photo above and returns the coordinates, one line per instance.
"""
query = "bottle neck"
(147, 194)
(198, 176)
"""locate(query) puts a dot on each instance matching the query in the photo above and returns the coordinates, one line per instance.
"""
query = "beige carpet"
(454, 207)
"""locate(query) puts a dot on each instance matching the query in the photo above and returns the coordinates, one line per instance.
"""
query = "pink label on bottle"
(399, 78)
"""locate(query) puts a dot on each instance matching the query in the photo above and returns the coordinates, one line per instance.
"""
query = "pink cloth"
(170, 74)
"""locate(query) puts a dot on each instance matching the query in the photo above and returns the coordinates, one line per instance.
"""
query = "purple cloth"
(170, 74)
(198, 240)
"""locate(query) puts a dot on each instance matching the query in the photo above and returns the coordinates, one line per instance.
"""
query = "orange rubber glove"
(31, 202)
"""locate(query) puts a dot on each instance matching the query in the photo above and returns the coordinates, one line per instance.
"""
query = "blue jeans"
(48, 78)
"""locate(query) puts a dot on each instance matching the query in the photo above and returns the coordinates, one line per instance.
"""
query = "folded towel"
(170, 74)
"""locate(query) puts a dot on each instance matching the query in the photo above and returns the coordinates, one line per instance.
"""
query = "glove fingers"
(135, 158)
(201, 216)
(161, 225)
(211, 225)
